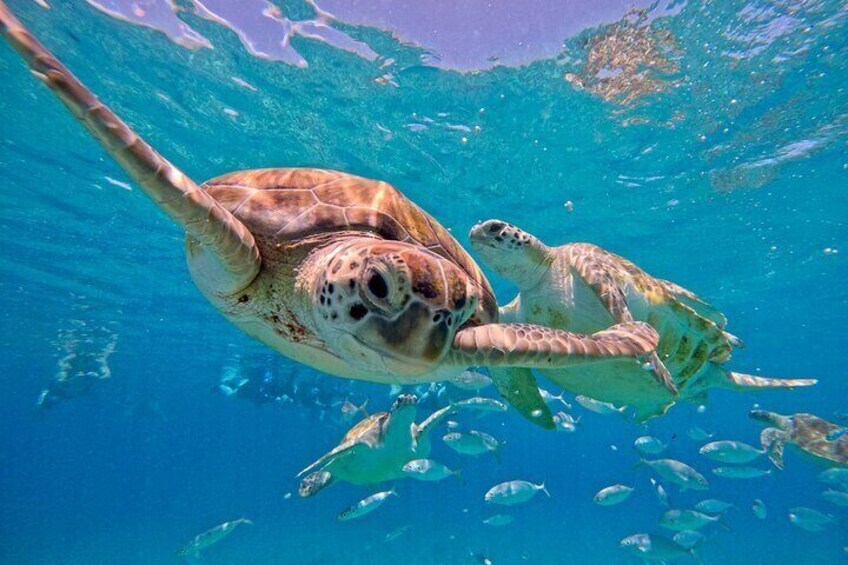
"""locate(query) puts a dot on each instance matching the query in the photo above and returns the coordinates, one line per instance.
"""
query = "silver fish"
(649, 445)
(210, 537)
(809, 519)
(697, 434)
(689, 539)
(836, 497)
(654, 548)
(679, 520)
(549, 398)
(428, 470)
(713, 506)
(730, 451)
(836, 477)
(759, 509)
(612, 495)
(513, 492)
(678, 473)
(397, 532)
(470, 380)
(483, 404)
(566, 422)
(350, 410)
(740, 472)
(599, 407)
(499, 520)
(473, 443)
(365, 506)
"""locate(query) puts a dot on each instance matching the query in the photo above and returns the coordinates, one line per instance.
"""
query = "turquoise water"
(708, 144)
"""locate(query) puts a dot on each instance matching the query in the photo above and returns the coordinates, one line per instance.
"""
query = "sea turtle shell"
(810, 434)
(293, 204)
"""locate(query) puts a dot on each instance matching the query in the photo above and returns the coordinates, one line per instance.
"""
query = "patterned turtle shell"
(288, 205)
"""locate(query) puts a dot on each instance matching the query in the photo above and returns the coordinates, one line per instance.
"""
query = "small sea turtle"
(335, 271)
(582, 288)
(807, 432)
(376, 449)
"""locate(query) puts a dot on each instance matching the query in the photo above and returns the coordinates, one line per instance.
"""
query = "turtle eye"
(377, 286)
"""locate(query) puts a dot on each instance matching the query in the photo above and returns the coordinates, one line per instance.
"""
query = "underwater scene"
(423, 282)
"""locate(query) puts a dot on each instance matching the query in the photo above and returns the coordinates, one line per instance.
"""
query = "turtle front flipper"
(519, 388)
(540, 347)
(235, 257)
(743, 382)
(603, 273)
(773, 441)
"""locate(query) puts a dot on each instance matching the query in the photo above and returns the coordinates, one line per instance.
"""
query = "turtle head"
(313, 483)
(770, 418)
(391, 307)
(510, 251)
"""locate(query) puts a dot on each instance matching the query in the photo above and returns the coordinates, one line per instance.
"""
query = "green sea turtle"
(582, 288)
(335, 271)
(376, 449)
(820, 440)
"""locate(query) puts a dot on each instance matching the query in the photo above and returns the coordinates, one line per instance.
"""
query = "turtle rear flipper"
(743, 382)
(519, 388)
(233, 261)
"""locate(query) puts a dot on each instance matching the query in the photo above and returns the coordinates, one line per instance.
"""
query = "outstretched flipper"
(540, 347)
(743, 382)
(519, 388)
(234, 260)
(590, 263)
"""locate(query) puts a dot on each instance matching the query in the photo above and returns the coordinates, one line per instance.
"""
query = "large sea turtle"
(335, 271)
(822, 441)
(376, 449)
(582, 288)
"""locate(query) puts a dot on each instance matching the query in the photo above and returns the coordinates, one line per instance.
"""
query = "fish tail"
(458, 475)
(362, 408)
(496, 453)
(544, 490)
(393, 491)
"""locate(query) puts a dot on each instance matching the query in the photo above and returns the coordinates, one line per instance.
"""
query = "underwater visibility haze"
(705, 142)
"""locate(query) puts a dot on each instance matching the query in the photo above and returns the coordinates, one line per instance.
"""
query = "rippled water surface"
(707, 142)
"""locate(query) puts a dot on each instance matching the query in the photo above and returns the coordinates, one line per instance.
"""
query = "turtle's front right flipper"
(540, 347)
(235, 255)
(519, 388)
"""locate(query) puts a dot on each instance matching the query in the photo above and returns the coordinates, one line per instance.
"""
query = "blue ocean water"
(707, 142)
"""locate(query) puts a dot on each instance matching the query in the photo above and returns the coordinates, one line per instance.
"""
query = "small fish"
(836, 497)
(452, 424)
(514, 492)
(678, 473)
(649, 445)
(834, 435)
(740, 472)
(470, 380)
(396, 533)
(713, 506)
(809, 519)
(210, 537)
(499, 520)
(662, 495)
(480, 558)
(365, 506)
(654, 548)
(428, 470)
(730, 452)
(566, 422)
(549, 398)
(350, 410)
(473, 443)
(689, 539)
(612, 495)
(679, 520)
(599, 407)
(759, 509)
(836, 477)
(697, 434)
(483, 404)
